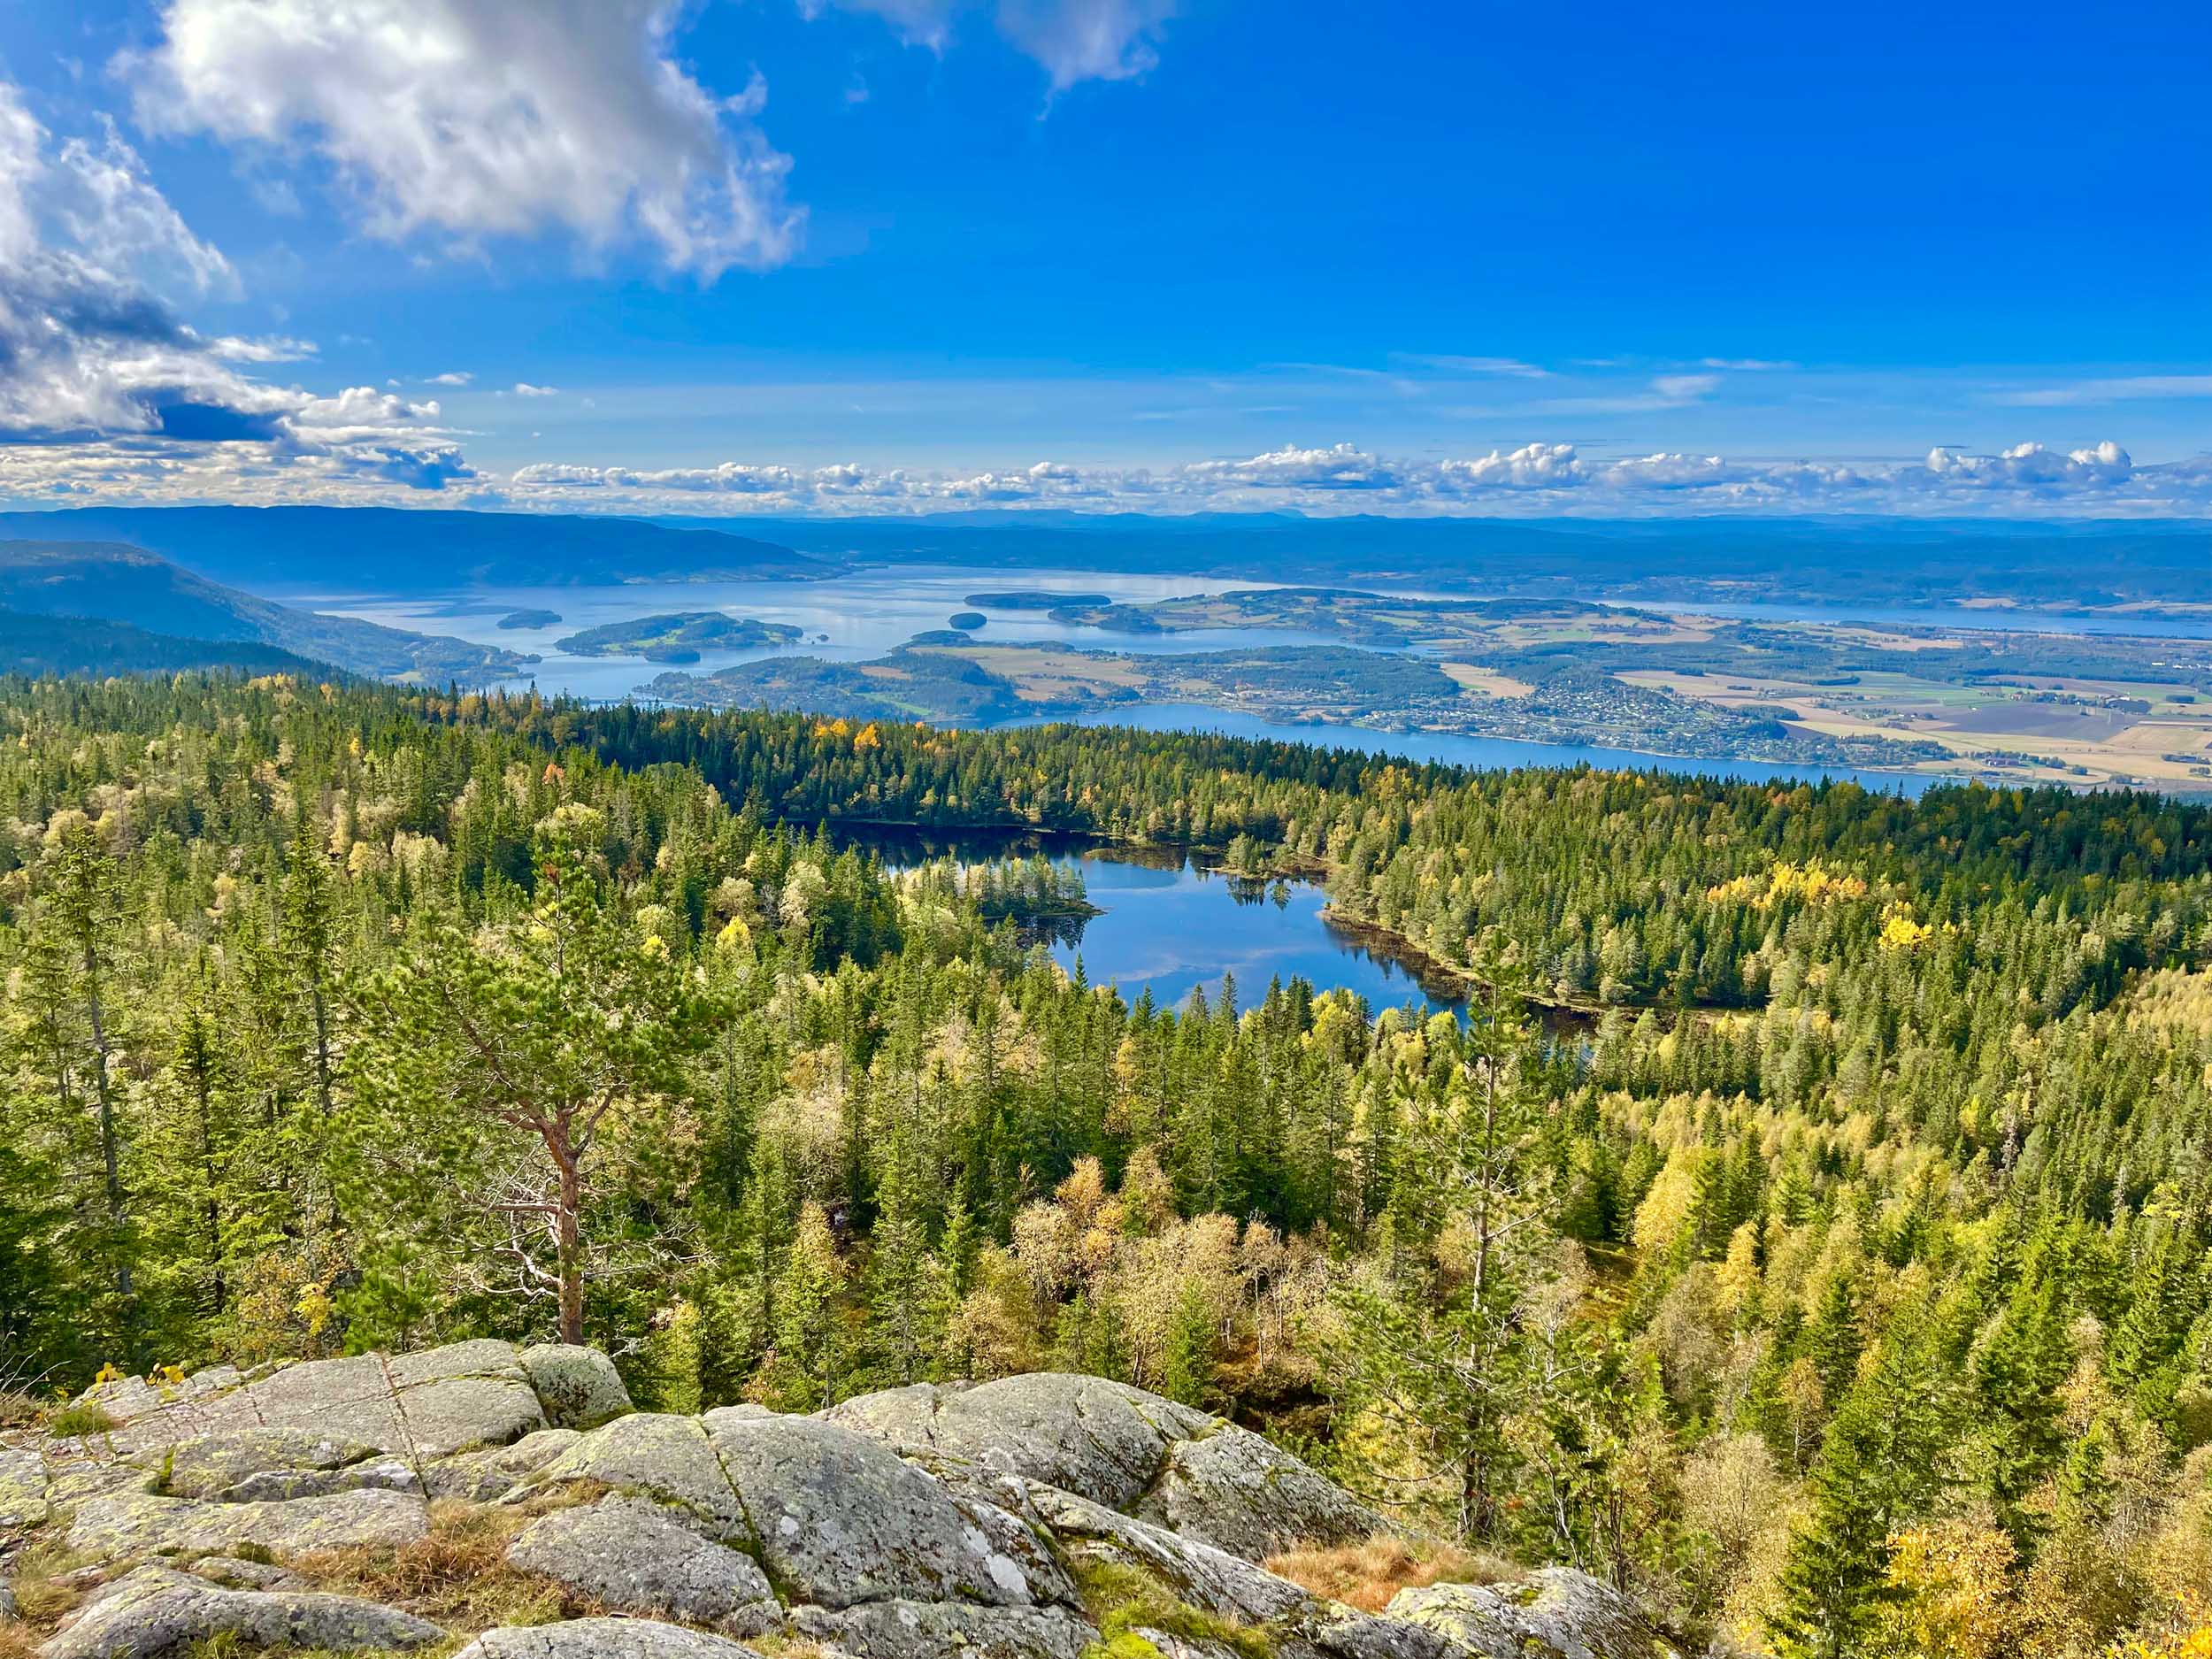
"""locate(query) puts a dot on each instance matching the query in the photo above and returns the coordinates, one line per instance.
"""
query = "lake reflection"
(1170, 924)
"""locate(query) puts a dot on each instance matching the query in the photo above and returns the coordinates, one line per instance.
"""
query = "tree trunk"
(569, 1233)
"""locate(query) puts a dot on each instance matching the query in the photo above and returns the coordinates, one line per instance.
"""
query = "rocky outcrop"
(1122, 1448)
(1552, 1611)
(929, 1629)
(1102, 1440)
(841, 1520)
(1032, 1517)
(156, 1612)
(1239, 1491)
(634, 1556)
(603, 1639)
(421, 1406)
(665, 1458)
(140, 1524)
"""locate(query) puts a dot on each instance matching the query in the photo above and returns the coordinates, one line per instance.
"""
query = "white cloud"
(268, 348)
(1071, 39)
(1747, 365)
(452, 377)
(1512, 367)
(106, 388)
(2030, 465)
(2109, 391)
(1086, 40)
(470, 120)
(523, 388)
(1549, 477)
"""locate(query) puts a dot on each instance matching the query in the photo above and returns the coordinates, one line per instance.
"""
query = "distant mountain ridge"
(2062, 566)
(397, 550)
(39, 645)
(108, 582)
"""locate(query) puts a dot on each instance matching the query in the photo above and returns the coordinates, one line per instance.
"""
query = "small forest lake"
(1168, 925)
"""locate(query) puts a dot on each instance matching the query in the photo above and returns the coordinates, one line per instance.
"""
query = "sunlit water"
(850, 618)
(1168, 925)
(862, 616)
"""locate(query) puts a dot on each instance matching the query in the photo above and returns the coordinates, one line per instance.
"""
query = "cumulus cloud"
(451, 377)
(468, 120)
(523, 388)
(1073, 41)
(104, 386)
(1086, 40)
(1534, 478)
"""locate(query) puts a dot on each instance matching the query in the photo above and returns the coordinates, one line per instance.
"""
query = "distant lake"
(864, 615)
(868, 613)
(1486, 754)
(1958, 619)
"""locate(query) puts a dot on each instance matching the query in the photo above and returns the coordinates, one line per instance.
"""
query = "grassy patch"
(457, 1576)
(229, 1644)
(79, 1418)
(1122, 1599)
(41, 1599)
(1367, 1574)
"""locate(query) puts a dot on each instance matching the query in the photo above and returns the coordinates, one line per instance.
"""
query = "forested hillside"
(1838, 1283)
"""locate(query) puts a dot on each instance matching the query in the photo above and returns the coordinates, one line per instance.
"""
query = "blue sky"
(893, 254)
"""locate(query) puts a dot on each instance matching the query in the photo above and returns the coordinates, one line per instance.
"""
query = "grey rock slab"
(458, 1414)
(207, 1465)
(488, 1475)
(183, 1420)
(632, 1555)
(235, 1574)
(722, 1416)
(7, 1599)
(1023, 1542)
(669, 1458)
(1554, 1611)
(71, 1481)
(1342, 1632)
(156, 1611)
(1173, 1647)
(603, 1639)
(1209, 1579)
(22, 1489)
(578, 1387)
(1240, 1492)
(904, 1419)
(140, 1524)
(1103, 1440)
(351, 1397)
(277, 1486)
(484, 1356)
(842, 1519)
(939, 1629)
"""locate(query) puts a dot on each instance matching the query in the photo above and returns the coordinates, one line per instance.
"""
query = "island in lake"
(1034, 599)
(678, 636)
(967, 621)
(529, 619)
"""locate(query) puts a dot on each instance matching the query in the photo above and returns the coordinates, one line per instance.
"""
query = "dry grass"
(782, 1645)
(457, 1576)
(41, 1599)
(1366, 1575)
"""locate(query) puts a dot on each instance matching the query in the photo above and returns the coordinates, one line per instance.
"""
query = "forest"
(1834, 1277)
